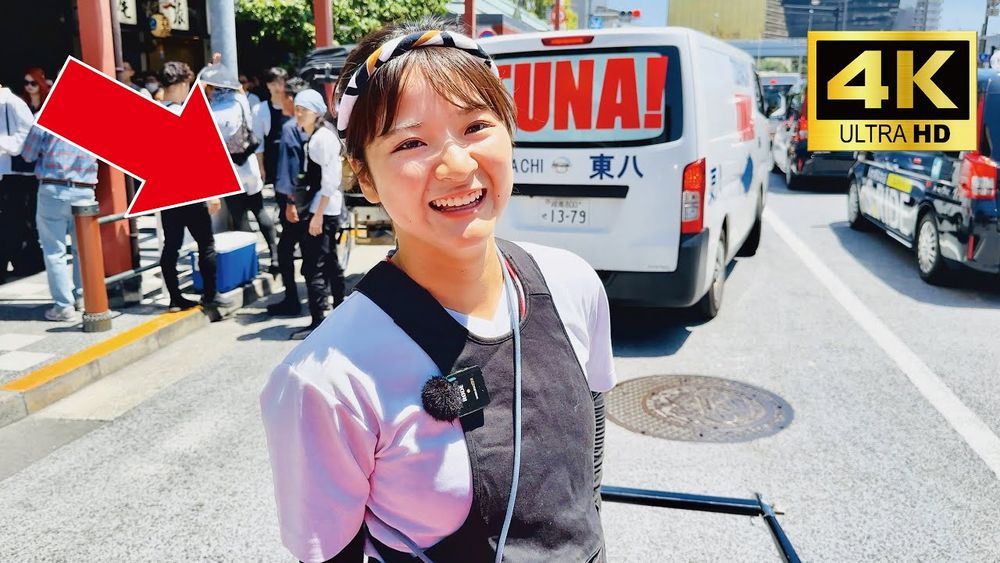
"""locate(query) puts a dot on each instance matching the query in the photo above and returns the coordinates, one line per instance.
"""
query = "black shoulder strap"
(415, 311)
(527, 269)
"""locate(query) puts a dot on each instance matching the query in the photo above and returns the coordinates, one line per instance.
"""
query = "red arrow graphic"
(185, 161)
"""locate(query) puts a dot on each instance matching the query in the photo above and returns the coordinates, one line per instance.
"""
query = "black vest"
(308, 184)
(556, 514)
(272, 143)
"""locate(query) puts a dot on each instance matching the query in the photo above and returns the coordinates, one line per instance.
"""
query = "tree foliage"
(352, 19)
(287, 22)
(290, 22)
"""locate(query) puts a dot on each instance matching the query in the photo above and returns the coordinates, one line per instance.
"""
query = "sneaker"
(303, 333)
(218, 302)
(60, 314)
(181, 304)
(285, 307)
(78, 304)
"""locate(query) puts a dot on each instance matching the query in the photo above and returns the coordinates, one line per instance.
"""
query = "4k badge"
(892, 90)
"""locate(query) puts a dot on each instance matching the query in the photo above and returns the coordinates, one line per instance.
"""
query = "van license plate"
(564, 212)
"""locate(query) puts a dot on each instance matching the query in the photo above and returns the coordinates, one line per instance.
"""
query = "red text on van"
(549, 91)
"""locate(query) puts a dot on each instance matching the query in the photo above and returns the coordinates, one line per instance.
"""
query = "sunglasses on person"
(30, 83)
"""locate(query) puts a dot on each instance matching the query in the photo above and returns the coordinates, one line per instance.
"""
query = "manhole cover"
(694, 408)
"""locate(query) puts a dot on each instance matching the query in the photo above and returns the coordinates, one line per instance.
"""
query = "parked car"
(944, 205)
(775, 87)
(656, 174)
(790, 148)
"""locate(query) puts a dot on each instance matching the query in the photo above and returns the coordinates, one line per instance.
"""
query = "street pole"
(222, 14)
(555, 14)
(469, 18)
(323, 21)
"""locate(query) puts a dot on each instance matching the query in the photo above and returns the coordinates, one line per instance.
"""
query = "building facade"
(927, 15)
(802, 16)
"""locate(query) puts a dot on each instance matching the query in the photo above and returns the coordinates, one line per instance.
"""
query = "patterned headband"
(394, 48)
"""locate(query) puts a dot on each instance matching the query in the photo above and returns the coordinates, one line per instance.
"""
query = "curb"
(48, 384)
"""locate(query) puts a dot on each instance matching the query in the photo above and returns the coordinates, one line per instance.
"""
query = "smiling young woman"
(448, 409)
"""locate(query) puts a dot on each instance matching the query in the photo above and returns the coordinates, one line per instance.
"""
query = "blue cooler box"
(237, 259)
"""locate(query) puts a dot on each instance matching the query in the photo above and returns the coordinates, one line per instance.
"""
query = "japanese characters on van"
(891, 90)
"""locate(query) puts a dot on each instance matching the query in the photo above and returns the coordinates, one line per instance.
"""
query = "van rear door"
(600, 148)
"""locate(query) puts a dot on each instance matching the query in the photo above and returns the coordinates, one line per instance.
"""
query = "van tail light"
(567, 40)
(802, 132)
(693, 198)
(978, 178)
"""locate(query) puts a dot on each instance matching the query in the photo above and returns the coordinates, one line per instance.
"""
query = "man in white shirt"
(268, 119)
(231, 111)
(18, 235)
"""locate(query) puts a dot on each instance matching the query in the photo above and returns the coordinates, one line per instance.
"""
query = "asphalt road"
(893, 384)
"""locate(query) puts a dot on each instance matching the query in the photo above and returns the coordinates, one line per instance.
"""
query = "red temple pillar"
(97, 47)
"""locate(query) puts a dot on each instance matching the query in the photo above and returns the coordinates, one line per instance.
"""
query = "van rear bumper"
(681, 288)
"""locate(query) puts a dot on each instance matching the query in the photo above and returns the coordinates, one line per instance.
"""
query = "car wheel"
(752, 242)
(855, 219)
(930, 263)
(711, 302)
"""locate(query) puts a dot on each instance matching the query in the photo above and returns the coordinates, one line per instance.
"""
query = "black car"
(790, 147)
(944, 205)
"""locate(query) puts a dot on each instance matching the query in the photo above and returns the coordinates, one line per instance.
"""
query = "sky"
(962, 15)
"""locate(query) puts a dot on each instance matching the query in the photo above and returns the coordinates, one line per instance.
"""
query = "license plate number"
(562, 211)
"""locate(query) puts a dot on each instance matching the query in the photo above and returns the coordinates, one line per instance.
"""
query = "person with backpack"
(176, 79)
(231, 110)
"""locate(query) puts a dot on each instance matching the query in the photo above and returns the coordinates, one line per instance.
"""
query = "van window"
(627, 96)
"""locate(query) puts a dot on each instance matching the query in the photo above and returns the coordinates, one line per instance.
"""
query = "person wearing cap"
(231, 110)
(318, 202)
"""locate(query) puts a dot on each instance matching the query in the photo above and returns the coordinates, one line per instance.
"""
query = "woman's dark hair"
(38, 75)
(275, 73)
(175, 72)
(454, 74)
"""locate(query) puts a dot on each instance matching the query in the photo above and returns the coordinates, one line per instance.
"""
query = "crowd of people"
(283, 137)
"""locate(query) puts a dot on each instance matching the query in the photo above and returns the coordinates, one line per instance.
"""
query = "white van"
(643, 150)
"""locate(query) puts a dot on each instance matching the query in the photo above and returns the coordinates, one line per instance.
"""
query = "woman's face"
(442, 173)
(304, 117)
(30, 86)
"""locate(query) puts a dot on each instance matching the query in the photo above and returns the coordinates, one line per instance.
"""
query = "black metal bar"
(570, 190)
(645, 497)
(121, 276)
(704, 503)
(778, 534)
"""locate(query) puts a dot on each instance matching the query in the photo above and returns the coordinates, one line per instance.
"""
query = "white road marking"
(19, 360)
(16, 341)
(969, 426)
